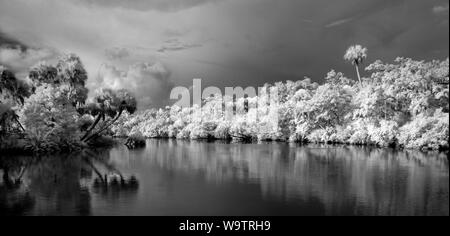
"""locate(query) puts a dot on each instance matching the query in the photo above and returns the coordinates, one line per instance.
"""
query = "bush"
(302, 131)
(242, 130)
(172, 131)
(135, 140)
(426, 132)
(222, 130)
(327, 135)
(268, 132)
(385, 134)
(198, 131)
(343, 134)
(185, 133)
(359, 133)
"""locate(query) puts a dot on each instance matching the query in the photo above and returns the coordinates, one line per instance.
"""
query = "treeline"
(403, 104)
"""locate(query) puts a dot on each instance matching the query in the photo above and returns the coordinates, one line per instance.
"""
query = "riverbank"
(306, 143)
(20, 148)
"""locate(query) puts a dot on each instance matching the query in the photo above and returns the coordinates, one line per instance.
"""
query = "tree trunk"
(18, 122)
(100, 176)
(104, 127)
(92, 127)
(357, 73)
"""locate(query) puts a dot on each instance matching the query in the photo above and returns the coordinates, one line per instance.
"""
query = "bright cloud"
(441, 9)
(150, 82)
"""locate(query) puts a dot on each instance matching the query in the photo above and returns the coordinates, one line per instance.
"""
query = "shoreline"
(113, 141)
(255, 141)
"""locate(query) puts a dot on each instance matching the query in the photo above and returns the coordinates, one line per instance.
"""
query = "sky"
(150, 46)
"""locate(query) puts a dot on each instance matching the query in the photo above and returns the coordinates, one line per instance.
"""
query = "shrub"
(360, 134)
(426, 132)
(222, 130)
(135, 140)
(385, 134)
(323, 135)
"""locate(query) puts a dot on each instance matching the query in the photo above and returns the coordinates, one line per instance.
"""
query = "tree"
(413, 87)
(50, 120)
(50, 113)
(13, 92)
(41, 73)
(71, 70)
(68, 71)
(330, 102)
(12, 88)
(356, 54)
(108, 103)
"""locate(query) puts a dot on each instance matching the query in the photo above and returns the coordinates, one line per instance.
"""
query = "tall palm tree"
(356, 54)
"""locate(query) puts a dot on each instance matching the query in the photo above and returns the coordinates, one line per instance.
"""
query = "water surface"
(172, 177)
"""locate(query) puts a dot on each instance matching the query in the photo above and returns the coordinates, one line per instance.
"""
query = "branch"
(88, 132)
(18, 122)
(105, 127)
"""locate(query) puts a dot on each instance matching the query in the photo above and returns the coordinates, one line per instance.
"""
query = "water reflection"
(345, 180)
(13, 199)
(171, 177)
(59, 185)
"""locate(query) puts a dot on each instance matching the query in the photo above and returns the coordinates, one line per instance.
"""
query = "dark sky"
(149, 46)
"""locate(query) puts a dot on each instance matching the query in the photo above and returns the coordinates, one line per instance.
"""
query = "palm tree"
(108, 103)
(356, 54)
(41, 73)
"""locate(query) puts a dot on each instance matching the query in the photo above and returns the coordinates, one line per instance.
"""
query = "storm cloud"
(145, 5)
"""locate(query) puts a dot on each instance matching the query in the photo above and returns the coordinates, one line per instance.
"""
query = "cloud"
(149, 82)
(440, 9)
(20, 60)
(145, 5)
(117, 53)
(231, 43)
(7, 41)
(338, 22)
(176, 45)
(173, 32)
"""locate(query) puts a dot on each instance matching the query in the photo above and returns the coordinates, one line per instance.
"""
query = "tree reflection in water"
(14, 200)
(59, 185)
(347, 180)
(218, 178)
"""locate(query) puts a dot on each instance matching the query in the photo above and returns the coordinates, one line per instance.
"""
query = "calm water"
(171, 177)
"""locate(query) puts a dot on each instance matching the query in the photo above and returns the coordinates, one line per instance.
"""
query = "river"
(173, 177)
